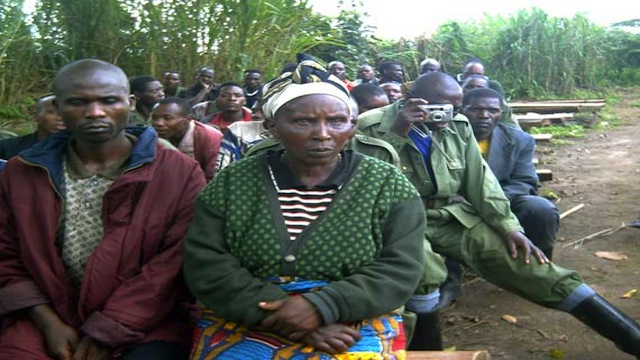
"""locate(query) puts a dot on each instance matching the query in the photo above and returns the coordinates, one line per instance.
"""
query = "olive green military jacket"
(464, 186)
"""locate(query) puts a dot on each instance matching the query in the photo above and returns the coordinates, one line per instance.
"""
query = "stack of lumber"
(531, 119)
(557, 106)
(552, 112)
(543, 174)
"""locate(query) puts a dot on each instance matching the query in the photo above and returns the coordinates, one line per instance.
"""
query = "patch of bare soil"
(601, 171)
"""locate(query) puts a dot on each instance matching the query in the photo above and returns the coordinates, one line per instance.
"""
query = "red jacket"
(219, 122)
(206, 145)
(132, 289)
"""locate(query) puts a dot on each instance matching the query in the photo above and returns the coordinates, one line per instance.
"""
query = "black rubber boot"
(451, 290)
(609, 322)
(427, 334)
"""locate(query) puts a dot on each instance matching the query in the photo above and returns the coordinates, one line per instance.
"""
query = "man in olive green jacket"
(468, 216)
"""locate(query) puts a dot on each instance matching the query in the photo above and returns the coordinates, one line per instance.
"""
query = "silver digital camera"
(438, 112)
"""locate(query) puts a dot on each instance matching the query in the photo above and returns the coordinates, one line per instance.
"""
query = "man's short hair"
(433, 85)
(429, 61)
(472, 60)
(185, 107)
(252, 71)
(387, 64)
(230, 84)
(88, 67)
(205, 68)
(475, 77)
(479, 93)
(363, 92)
(41, 104)
(139, 83)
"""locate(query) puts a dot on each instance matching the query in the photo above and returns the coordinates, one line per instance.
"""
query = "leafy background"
(531, 53)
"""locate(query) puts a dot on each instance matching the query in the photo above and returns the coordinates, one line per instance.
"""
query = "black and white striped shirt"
(300, 205)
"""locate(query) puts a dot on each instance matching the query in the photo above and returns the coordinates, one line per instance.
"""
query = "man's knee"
(536, 210)
(20, 339)
(539, 217)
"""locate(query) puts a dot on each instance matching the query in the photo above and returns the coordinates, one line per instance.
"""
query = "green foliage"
(532, 54)
(561, 131)
(150, 37)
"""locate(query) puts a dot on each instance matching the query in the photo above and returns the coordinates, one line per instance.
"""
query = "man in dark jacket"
(509, 153)
(91, 227)
(204, 88)
(47, 123)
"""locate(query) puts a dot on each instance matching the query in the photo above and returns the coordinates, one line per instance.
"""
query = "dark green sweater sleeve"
(386, 283)
(216, 277)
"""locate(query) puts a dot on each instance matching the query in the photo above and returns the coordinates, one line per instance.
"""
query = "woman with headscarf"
(305, 252)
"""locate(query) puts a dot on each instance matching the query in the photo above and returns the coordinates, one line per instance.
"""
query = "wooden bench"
(448, 355)
(543, 174)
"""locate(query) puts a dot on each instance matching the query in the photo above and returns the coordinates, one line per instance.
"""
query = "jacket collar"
(49, 153)
(502, 143)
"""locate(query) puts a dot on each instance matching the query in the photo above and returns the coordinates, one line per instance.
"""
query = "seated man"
(393, 90)
(204, 88)
(480, 81)
(338, 69)
(429, 65)
(391, 71)
(469, 216)
(171, 83)
(252, 87)
(173, 122)
(148, 91)
(97, 273)
(509, 153)
(230, 106)
(369, 96)
(366, 75)
(474, 66)
(48, 122)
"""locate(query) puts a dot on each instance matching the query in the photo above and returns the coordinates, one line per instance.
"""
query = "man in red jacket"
(91, 227)
(173, 120)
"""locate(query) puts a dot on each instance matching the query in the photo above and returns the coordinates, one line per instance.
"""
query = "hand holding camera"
(411, 112)
(415, 110)
(438, 112)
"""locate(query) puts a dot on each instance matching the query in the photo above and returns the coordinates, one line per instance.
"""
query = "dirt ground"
(601, 171)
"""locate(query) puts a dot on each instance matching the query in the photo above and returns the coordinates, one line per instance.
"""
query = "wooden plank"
(530, 120)
(552, 117)
(544, 174)
(528, 124)
(550, 108)
(542, 137)
(564, 101)
(448, 355)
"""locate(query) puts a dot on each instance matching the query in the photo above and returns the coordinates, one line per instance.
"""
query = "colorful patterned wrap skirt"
(215, 338)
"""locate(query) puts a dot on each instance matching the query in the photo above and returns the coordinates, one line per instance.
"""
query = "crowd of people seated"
(311, 217)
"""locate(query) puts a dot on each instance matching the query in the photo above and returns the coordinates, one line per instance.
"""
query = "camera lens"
(437, 116)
